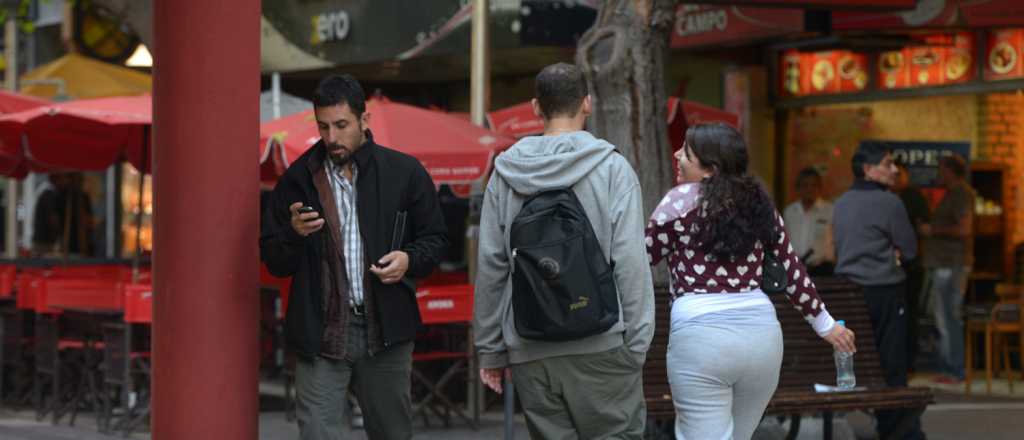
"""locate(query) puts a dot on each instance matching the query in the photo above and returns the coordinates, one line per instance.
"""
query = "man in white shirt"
(809, 222)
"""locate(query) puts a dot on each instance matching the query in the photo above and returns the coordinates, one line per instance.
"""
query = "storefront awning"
(936, 14)
(824, 4)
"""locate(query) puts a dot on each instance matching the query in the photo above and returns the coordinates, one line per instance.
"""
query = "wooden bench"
(807, 360)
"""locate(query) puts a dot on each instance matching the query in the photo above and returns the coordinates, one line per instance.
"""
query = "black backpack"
(563, 288)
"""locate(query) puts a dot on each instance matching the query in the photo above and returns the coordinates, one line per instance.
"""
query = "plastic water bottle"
(845, 379)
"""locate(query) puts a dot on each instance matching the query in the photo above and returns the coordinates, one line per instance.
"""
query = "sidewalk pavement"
(22, 425)
(953, 417)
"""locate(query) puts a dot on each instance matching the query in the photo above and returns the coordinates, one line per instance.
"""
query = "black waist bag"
(563, 288)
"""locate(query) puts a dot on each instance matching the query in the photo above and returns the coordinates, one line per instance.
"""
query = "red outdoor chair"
(127, 362)
(8, 275)
(69, 346)
(448, 310)
(15, 362)
(17, 352)
(10, 328)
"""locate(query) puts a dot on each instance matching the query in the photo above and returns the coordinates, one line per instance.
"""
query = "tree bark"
(623, 57)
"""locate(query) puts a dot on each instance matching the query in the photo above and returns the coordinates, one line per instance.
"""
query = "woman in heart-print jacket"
(725, 345)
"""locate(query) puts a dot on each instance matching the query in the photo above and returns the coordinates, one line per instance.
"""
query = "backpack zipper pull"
(515, 253)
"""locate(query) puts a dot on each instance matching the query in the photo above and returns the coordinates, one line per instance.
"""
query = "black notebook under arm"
(399, 231)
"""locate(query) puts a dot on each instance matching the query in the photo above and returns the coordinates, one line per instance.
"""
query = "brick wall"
(1001, 140)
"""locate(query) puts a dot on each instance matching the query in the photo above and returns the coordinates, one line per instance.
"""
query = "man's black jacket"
(388, 182)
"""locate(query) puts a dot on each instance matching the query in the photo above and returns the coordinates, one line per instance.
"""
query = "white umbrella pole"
(11, 243)
(275, 94)
(479, 103)
(111, 212)
(480, 70)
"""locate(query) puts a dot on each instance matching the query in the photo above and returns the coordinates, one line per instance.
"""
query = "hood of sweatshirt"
(539, 163)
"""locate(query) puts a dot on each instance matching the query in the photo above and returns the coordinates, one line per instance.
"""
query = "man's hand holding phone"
(391, 267)
(305, 219)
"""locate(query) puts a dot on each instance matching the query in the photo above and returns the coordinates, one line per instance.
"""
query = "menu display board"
(938, 60)
(818, 73)
(1003, 52)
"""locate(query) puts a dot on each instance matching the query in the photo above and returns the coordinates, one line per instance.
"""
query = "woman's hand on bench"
(842, 338)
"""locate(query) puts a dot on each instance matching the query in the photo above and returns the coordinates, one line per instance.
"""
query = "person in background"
(949, 239)
(874, 239)
(46, 220)
(455, 210)
(919, 212)
(809, 222)
(63, 220)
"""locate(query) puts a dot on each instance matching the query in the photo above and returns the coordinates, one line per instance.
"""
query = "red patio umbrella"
(451, 149)
(14, 165)
(88, 134)
(82, 135)
(519, 120)
(696, 113)
(11, 102)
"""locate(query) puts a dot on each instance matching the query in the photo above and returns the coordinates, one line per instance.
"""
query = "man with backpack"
(564, 300)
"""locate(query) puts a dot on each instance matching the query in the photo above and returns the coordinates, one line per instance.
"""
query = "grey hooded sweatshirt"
(609, 191)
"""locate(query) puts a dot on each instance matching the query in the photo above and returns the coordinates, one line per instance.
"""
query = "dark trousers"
(381, 384)
(887, 307)
(586, 396)
(915, 283)
(825, 269)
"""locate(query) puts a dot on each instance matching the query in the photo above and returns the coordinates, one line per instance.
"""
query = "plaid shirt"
(352, 242)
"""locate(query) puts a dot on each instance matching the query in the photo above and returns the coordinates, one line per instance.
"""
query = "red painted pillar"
(206, 176)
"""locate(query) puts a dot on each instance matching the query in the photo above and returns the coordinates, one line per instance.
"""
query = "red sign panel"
(823, 4)
(935, 14)
(988, 13)
(1003, 53)
(708, 25)
(928, 13)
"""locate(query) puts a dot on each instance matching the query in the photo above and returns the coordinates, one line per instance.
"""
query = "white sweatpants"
(723, 368)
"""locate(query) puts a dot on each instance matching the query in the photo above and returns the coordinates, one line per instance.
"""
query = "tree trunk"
(623, 58)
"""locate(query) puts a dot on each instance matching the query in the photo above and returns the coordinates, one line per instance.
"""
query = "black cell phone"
(307, 210)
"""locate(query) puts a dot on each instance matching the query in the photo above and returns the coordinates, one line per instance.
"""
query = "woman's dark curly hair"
(737, 210)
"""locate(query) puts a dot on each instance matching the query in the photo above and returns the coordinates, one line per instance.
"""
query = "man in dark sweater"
(873, 240)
